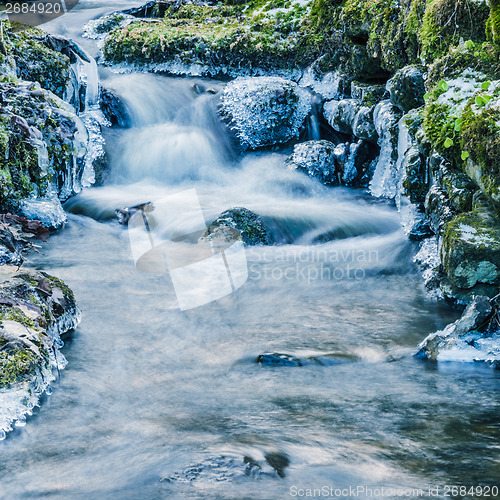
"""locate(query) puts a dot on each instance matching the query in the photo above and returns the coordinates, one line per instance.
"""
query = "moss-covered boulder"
(263, 111)
(317, 160)
(42, 145)
(470, 249)
(445, 22)
(249, 225)
(35, 310)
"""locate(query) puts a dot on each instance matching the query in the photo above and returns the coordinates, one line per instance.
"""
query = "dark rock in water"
(231, 467)
(407, 88)
(278, 461)
(420, 231)
(279, 359)
(251, 227)
(114, 109)
(415, 183)
(317, 160)
(282, 359)
(123, 214)
(357, 168)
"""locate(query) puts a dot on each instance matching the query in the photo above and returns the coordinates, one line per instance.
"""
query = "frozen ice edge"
(18, 402)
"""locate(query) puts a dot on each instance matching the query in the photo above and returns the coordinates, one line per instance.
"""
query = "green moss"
(445, 22)
(17, 366)
(493, 26)
(15, 314)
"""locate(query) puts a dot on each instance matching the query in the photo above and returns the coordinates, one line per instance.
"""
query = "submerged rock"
(249, 225)
(317, 160)
(470, 338)
(232, 467)
(265, 111)
(35, 310)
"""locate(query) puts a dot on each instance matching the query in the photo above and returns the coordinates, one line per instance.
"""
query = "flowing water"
(161, 403)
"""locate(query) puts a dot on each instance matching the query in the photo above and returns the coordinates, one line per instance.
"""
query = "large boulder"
(317, 160)
(264, 111)
(35, 310)
(113, 108)
(407, 88)
(248, 225)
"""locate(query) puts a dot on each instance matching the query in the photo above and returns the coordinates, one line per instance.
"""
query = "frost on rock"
(332, 85)
(35, 311)
(48, 211)
(263, 111)
(387, 176)
(473, 337)
(316, 159)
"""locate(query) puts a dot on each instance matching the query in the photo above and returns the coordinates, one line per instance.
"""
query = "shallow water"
(159, 403)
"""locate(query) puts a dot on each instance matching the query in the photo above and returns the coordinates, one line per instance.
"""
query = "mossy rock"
(407, 88)
(415, 184)
(34, 310)
(470, 250)
(250, 226)
(34, 117)
(445, 22)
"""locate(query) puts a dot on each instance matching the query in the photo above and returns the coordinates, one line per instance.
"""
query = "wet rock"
(278, 359)
(317, 160)
(407, 88)
(458, 338)
(470, 250)
(123, 214)
(459, 188)
(363, 126)
(438, 208)
(264, 111)
(35, 310)
(114, 109)
(232, 467)
(357, 169)
(250, 226)
(415, 183)
(340, 115)
(420, 231)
